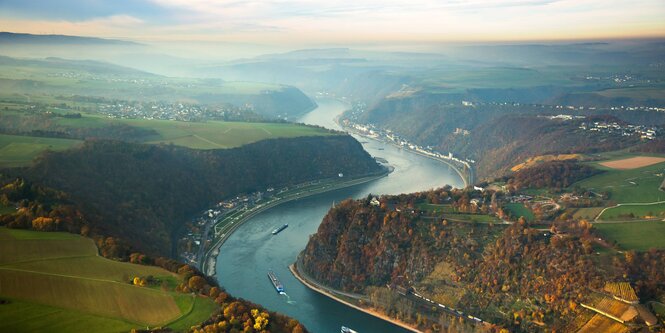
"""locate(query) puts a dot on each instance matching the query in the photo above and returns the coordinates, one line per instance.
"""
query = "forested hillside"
(142, 194)
(513, 275)
(553, 174)
(43, 209)
(499, 136)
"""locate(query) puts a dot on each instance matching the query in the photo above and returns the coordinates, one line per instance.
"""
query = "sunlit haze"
(300, 22)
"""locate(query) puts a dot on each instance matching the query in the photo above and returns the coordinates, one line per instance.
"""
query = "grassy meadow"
(472, 218)
(641, 185)
(518, 210)
(21, 150)
(450, 213)
(22, 316)
(202, 135)
(47, 276)
(18, 150)
(219, 134)
(42, 78)
(639, 236)
(637, 211)
(587, 213)
(436, 208)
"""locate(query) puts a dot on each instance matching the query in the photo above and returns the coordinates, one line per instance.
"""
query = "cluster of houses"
(371, 131)
(200, 231)
(196, 229)
(165, 111)
(644, 132)
(564, 117)
(621, 80)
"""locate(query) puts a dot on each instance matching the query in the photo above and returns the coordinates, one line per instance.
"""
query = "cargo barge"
(275, 282)
(278, 230)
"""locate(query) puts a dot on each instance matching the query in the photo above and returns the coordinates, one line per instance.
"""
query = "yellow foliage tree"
(43, 223)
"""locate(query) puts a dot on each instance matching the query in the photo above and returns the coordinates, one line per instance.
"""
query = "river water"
(251, 251)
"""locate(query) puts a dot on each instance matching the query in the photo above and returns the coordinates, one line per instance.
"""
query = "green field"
(628, 186)
(63, 86)
(637, 211)
(195, 310)
(641, 185)
(203, 135)
(450, 213)
(22, 316)
(588, 213)
(49, 276)
(21, 150)
(478, 218)
(436, 208)
(639, 236)
(107, 80)
(518, 210)
(218, 134)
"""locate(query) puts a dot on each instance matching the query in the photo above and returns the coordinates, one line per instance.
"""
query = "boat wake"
(288, 298)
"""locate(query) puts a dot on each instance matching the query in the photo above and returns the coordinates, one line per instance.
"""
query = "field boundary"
(631, 163)
(75, 278)
(597, 218)
(184, 314)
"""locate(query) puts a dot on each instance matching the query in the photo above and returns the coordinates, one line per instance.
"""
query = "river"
(251, 251)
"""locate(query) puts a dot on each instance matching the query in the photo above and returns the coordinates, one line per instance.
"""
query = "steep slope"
(143, 193)
(517, 276)
(499, 136)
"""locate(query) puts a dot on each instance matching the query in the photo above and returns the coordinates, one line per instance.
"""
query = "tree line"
(360, 247)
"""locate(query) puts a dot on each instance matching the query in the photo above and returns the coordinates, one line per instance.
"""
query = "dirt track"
(633, 162)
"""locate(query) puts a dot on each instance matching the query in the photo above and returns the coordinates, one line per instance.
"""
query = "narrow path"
(267, 131)
(597, 218)
(208, 141)
(74, 277)
(9, 263)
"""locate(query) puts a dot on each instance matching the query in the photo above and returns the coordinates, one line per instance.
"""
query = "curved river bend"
(251, 251)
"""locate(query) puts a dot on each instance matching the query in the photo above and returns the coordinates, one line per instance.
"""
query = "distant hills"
(90, 78)
(90, 66)
(22, 38)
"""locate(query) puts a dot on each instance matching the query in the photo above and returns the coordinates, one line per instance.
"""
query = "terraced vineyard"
(48, 276)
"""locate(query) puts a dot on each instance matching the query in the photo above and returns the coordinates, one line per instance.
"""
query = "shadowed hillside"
(143, 193)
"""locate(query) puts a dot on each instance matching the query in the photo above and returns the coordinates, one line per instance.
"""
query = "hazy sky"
(330, 21)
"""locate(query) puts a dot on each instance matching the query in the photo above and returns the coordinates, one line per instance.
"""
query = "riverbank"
(466, 176)
(209, 260)
(325, 292)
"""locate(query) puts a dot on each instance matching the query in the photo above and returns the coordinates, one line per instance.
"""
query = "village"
(644, 132)
(206, 233)
(170, 111)
(198, 229)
